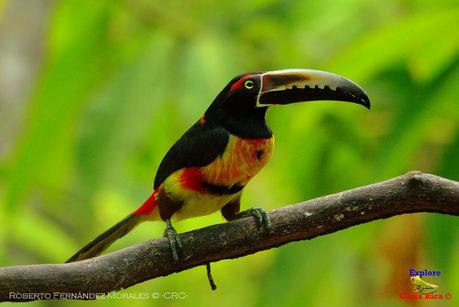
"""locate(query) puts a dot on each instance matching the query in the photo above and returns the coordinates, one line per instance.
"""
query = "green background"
(110, 85)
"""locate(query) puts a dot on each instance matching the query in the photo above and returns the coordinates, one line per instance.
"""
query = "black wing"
(199, 146)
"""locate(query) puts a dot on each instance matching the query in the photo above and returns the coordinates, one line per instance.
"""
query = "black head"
(241, 105)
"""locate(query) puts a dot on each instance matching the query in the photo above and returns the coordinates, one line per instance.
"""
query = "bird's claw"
(261, 216)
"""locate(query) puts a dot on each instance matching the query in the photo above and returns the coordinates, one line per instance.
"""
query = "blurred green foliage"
(122, 80)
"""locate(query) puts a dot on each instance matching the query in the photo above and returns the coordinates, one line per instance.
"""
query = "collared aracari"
(209, 166)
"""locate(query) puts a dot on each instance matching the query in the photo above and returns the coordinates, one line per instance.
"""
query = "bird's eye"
(248, 84)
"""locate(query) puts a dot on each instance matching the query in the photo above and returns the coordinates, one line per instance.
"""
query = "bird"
(208, 167)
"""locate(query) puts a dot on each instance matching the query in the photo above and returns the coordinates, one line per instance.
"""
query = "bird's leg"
(231, 212)
(174, 240)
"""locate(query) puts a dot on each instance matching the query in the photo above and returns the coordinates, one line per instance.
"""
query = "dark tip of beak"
(366, 102)
(351, 92)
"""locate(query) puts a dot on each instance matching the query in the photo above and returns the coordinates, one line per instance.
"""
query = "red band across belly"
(192, 179)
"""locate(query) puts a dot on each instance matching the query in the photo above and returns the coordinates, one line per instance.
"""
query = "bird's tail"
(103, 241)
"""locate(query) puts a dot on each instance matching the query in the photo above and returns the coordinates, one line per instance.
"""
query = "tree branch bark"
(412, 192)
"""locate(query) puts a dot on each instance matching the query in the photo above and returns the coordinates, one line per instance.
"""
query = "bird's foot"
(261, 216)
(174, 240)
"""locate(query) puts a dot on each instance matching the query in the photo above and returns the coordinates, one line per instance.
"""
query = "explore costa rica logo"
(423, 290)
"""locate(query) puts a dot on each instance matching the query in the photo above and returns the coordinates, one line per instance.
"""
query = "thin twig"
(213, 286)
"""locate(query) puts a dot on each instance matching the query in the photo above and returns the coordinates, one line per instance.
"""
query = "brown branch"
(413, 192)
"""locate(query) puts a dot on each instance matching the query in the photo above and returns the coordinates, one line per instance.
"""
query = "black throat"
(249, 125)
(246, 124)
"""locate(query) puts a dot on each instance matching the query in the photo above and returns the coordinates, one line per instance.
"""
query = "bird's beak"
(295, 85)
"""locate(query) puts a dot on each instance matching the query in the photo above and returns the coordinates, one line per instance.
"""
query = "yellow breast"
(242, 159)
